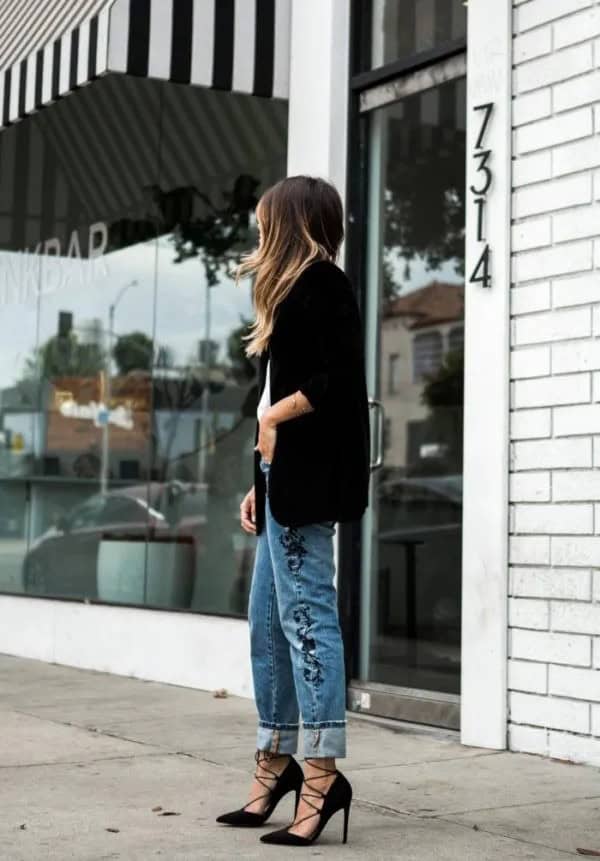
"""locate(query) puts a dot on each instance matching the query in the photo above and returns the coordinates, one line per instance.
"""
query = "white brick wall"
(554, 558)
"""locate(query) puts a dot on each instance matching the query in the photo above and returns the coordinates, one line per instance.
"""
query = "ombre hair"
(301, 220)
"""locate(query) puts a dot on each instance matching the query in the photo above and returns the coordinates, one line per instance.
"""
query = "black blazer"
(320, 467)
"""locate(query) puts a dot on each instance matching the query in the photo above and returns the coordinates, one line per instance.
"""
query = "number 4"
(481, 273)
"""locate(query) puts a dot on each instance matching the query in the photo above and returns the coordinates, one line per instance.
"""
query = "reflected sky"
(92, 285)
(420, 275)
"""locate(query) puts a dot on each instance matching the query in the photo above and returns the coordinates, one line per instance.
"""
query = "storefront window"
(401, 28)
(127, 404)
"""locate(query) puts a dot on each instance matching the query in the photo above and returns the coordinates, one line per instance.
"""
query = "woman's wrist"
(268, 419)
(287, 408)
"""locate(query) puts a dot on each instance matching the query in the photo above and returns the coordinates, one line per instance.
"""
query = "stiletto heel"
(338, 797)
(290, 780)
(346, 818)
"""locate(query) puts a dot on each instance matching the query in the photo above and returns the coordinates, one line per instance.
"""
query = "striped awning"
(237, 45)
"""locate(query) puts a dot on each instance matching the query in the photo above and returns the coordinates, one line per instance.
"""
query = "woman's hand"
(267, 437)
(248, 512)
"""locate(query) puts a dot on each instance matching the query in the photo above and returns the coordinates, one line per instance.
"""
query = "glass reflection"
(127, 405)
(205, 389)
(419, 235)
(404, 27)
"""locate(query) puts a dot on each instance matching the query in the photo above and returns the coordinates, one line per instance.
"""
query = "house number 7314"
(481, 272)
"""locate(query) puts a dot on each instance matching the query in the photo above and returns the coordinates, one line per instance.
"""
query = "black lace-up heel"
(337, 797)
(290, 780)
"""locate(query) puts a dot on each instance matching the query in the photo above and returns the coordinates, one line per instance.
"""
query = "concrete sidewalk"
(91, 763)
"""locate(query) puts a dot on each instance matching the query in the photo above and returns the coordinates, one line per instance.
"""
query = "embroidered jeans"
(295, 639)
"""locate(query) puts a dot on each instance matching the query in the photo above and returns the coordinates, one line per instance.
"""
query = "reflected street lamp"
(107, 388)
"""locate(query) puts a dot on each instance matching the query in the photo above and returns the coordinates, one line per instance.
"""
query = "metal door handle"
(380, 413)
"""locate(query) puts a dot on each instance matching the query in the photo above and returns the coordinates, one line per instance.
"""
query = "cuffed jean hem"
(277, 738)
(324, 740)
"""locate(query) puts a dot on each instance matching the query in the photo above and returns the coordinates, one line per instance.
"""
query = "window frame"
(356, 195)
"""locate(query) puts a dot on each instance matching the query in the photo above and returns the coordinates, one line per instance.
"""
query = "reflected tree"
(424, 199)
(133, 352)
(445, 388)
(197, 226)
(242, 366)
(64, 356)
(443, 393)
(217, 237)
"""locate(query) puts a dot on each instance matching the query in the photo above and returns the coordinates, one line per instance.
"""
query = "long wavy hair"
(300, 220)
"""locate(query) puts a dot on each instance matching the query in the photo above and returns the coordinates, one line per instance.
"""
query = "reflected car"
(62, 562)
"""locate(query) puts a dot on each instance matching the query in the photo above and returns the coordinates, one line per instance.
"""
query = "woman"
(311, 470)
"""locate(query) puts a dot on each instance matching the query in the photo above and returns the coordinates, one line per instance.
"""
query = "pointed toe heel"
(290, 780)
(338, 797)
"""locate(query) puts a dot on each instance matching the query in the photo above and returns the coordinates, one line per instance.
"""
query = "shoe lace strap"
(317, 793)
(260, 757)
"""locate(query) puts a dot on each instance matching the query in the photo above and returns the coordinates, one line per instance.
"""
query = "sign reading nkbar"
(51, 265)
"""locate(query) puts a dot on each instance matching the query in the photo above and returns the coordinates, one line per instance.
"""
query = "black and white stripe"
(91, 158)
(27, 25)
(238, 45)
(55, 68)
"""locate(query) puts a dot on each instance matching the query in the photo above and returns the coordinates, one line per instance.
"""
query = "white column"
(318, 100)
(486, 439)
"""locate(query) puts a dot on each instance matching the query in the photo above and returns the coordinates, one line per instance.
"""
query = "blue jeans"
(295, 639)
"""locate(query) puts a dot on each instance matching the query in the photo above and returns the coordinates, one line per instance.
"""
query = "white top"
(265, 400)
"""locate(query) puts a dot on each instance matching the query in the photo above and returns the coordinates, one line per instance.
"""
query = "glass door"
(410, 607)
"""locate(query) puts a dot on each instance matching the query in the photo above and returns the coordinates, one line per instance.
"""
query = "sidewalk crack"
(386, 809)
(93, 730)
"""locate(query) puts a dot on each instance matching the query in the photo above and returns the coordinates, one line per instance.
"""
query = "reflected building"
(418, 331)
